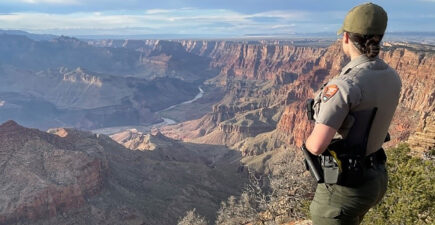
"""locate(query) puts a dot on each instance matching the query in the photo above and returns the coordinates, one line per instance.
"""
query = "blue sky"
(214, 18)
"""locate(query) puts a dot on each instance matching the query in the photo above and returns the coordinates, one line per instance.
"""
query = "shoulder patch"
(328, 92)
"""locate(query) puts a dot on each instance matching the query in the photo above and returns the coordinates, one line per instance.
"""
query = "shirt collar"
(355, 62)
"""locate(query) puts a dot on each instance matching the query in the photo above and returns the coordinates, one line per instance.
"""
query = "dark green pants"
(334, 204)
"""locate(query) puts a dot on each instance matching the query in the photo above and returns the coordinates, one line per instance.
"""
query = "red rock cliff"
(255, 60)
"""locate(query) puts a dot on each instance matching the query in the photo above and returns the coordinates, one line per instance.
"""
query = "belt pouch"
(331, 171)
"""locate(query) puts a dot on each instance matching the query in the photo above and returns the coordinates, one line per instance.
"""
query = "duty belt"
(376, 158)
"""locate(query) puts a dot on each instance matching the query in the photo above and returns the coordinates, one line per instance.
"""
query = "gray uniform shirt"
(363, 84)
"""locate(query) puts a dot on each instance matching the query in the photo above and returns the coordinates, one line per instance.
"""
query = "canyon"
(251, 109)
(66, 82)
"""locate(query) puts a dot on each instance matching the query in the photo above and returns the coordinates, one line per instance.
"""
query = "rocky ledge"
(42, 174)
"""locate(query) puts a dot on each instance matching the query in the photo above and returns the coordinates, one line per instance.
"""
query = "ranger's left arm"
(320, 138)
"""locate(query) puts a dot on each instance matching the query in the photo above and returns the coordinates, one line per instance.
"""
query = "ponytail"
(367, 44)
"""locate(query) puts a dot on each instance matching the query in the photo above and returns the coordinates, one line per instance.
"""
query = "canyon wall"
(305, 69)
(255, 60)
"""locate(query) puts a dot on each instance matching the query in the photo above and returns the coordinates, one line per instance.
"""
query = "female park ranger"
(355, 108)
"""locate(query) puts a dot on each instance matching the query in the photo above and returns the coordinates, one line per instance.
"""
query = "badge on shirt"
(328, 92)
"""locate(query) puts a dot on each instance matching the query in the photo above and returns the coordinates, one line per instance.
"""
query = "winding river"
(198, 96)
(146, 129)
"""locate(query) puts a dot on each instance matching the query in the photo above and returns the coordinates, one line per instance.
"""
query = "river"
(198, 96)
(147, 129)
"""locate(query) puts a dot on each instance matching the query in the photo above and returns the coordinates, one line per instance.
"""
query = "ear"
(346, 37)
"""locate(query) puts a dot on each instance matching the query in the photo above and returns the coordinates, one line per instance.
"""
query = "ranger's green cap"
(367, 18)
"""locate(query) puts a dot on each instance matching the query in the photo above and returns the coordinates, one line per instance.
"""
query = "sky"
(207, 18)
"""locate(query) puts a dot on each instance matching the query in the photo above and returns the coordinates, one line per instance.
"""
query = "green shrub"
(411, 190)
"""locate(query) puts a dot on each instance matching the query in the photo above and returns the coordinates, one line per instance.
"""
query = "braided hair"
(368, 44)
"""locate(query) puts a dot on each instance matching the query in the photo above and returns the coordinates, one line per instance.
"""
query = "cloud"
(284, 14)
(184, 20)
(189, 21)
(282, 26)
(61, 2)
(214, 17)
(158, 11)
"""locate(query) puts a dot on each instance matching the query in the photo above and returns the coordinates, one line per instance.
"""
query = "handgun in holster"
(312, 164)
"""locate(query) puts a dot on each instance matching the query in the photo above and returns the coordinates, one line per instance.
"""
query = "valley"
(141, 131)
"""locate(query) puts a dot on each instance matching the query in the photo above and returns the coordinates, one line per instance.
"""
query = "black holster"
(312, 164)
